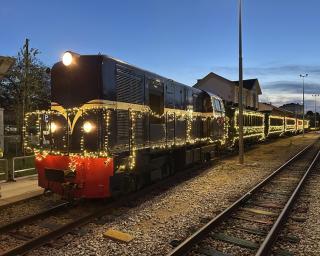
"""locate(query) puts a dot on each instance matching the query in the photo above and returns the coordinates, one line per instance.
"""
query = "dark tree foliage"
(309, 113)
(33, 85)
(26, 87)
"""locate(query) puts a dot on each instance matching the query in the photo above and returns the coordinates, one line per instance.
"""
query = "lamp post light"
(241, 147)
(315, 109)
(303, 76)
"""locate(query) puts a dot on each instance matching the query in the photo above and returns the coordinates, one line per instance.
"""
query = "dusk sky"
(183, 40)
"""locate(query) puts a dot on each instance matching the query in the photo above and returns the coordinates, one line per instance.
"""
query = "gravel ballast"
(308, 230)
(169, 217)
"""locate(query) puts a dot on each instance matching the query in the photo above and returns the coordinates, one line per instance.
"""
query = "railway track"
(252, 224)
(26, 234)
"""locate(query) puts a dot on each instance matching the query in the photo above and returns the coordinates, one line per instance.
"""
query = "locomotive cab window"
(217, 105)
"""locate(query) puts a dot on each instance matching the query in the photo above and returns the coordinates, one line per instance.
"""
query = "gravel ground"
(310, 242)
(173, 215)
(308, 207)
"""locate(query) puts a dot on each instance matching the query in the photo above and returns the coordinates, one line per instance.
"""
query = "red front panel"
(92, 175)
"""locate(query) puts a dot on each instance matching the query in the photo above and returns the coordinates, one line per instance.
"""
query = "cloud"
(289, 87)
(277, 70)
(295, 70)
(283, 92)
(280, 84)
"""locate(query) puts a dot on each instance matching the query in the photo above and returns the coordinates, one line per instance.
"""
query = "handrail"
(20, 170)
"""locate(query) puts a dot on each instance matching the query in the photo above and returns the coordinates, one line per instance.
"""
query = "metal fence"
(4, 167)
(20, 165)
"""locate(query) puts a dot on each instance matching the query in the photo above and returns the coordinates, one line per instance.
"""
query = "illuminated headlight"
(67, 58)
(88, 127)
(53, 127)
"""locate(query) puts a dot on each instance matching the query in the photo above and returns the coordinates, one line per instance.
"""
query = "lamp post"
(303, 76)
(241, 148)
(315, 109)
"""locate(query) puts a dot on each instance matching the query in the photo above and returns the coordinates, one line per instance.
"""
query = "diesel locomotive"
(114, 128)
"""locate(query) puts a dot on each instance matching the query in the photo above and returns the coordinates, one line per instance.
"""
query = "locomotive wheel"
(142, 179)
(166, 171)
(129, 184)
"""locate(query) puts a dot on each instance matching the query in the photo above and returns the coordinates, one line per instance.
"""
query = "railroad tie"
(235, 240)
(211, 252)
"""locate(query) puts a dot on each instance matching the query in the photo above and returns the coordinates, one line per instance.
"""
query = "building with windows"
(229, 90)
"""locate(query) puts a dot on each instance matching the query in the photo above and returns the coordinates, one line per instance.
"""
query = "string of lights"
(135, 111)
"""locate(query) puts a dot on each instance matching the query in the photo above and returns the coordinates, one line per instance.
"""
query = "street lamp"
(303, 76)
(315, 109)
(241, 147)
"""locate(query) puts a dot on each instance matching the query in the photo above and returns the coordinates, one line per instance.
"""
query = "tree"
(26, 87)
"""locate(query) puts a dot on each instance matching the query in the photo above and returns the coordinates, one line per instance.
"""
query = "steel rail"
(199, 235)
(43, 239)
(28, 219)
(273, 234)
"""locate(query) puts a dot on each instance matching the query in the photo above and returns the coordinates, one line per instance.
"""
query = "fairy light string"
(188, 116)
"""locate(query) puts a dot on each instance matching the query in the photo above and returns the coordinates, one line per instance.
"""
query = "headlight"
(87, 127)
(67, 58)
(53, 127)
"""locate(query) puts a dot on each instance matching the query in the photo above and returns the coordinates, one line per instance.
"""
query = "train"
(114, 128)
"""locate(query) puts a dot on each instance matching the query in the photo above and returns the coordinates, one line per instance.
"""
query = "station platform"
(21, 189)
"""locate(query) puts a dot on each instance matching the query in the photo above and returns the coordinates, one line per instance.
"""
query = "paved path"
(21, 189)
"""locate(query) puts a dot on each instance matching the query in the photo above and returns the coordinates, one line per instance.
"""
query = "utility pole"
(315, 110)
(25, 88)
(240, 117)
(303, 76)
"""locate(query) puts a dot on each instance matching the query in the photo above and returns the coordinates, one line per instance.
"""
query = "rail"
(266, 246)
(199, 235)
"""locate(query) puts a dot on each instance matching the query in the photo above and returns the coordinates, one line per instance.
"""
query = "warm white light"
(53, 127)
(87, 127)
(67, 58)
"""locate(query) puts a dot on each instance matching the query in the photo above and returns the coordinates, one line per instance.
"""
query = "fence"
(22, 164)
(4, 169)
(16, 167)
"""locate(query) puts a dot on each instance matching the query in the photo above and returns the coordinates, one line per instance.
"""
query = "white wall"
(221, 88)
(229, 91)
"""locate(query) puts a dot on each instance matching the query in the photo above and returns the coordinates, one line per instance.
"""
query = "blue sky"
(179, 39)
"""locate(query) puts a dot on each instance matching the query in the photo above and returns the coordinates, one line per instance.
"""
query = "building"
(229, 90)
(1, 133)
(269, 108)
(295, 108)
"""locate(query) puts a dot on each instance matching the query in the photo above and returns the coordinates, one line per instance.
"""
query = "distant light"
(67, 58)
(53, 127)
(87, 127)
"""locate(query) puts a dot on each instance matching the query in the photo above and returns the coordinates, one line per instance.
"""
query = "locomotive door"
(169, 117)
(156, 117)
